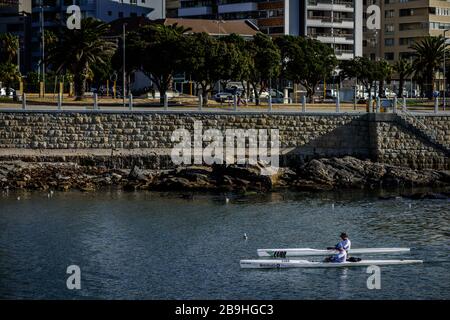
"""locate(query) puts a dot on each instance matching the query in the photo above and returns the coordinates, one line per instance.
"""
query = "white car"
(3, 92)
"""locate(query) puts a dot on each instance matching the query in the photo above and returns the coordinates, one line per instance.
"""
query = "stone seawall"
(379, 137)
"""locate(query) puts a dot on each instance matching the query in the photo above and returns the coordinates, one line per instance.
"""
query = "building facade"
(15, 18)
(50, 14)
(403, 23)
(331, 21)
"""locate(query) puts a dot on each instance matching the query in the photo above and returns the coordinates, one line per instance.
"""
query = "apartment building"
(404, 22)
(15, 18)
(330, 21)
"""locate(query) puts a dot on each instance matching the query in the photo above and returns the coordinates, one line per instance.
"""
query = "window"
(389, 55)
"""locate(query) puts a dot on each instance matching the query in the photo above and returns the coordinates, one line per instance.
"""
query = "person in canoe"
(342, 247)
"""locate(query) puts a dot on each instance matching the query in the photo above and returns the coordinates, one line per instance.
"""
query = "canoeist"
(341, 256)
(345, 243)
(343, 247)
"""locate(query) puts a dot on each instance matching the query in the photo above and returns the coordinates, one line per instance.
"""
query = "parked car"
(223, 97)
(3, 92)
(277, 96)
(227, 94)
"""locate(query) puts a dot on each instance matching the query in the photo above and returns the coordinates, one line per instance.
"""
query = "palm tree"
(404, 69)
(429, 56)
(79, 49)
(9, 44)
(9, 75)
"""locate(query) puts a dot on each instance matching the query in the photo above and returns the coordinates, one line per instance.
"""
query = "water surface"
(166, 246)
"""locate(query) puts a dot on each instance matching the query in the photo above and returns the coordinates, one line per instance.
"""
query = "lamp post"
(445, 71)
(43, 45)
(219, 21)
(123, 66)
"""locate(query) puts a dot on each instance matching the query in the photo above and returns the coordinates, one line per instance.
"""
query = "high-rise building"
(331, 21)
(402, 24)
(51, 13)
(15, 18)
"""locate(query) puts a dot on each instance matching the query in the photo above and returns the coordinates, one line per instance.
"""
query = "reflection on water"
(167, 246)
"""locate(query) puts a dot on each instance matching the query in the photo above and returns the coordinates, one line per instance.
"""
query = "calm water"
(160, 246)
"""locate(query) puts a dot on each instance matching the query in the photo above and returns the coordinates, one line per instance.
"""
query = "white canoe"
(281, 264)
(302, 252)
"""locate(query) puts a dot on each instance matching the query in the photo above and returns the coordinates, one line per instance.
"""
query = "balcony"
(325, 22)
(344, 54)
(328, 5)
(337, 39)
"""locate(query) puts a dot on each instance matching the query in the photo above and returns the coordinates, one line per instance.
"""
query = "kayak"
(281, 264)
(300, 252)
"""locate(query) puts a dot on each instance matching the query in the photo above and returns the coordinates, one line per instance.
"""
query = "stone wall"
(398, 145)
(302, 136)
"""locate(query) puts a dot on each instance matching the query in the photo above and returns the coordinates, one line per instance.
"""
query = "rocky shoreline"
(315, 175)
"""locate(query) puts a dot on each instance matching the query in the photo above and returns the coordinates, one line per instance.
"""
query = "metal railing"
(418, 124)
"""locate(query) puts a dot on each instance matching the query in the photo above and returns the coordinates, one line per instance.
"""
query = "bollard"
(95, 101)
(166, 102)
(394, 106)
(404, 104)
(24, 101)
(200, 102)
(130, 102)
(59, 101)
(338, 104)
(235, 102)
(270, 103)
(369, 105)
(304, 104)
(378, 105)
(436, 105)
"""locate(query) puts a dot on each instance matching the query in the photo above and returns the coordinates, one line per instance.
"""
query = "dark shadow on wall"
(351, 139)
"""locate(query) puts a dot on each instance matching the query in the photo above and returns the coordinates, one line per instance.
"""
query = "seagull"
(18, 198)
(227, 200)
(245, 236)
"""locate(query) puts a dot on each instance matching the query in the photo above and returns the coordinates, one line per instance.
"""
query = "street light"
(124, 71)
(43, 45)
(445, 71)
(219, 34)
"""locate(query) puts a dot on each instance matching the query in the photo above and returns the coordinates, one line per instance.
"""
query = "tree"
(239, 68)
(264, 63)
(361, 68)
(9, 45)
(404, 69)
(9, 75)
(78, 50)
(9, 72)
(383, 73)
(306, 61)
(429, 54)
(158, 51)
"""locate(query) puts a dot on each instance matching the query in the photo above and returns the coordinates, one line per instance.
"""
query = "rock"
(308, 185)
(137, 174)
(427, 195)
